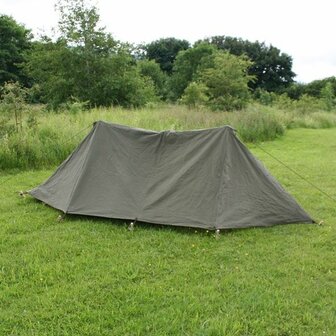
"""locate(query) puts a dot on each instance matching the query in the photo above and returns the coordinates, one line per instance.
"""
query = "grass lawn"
(87, 276)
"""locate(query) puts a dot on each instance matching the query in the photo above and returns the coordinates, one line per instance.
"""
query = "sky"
(303, 29)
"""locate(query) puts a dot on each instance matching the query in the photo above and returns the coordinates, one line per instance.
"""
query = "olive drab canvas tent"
(203, 178)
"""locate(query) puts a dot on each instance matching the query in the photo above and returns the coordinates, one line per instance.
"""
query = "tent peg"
(217, 233)
(23, 193)
(61, 218)
(131, 226)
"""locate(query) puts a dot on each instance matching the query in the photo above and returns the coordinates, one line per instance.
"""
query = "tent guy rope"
(296, 173)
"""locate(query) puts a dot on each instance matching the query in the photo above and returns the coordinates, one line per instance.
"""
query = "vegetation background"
(89, 276)
(52, 87)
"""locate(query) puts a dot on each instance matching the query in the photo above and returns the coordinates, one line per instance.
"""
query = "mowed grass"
(89, 276)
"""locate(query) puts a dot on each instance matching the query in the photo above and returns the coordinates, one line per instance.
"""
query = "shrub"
(195, 95)
(327, 95)
(226, 79)
(13, 103)
(307, 104)
(264, 97)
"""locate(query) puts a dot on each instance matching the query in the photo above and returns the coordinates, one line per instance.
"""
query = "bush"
(226, 79)
(307, 104)
(328, 97)
(195, 95)
(264, 97)
(12, 104)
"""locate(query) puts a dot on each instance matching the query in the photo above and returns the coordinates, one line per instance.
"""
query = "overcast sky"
(304, 29)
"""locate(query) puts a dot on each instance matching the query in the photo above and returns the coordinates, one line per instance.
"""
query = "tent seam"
(81, 170)
(220, 189)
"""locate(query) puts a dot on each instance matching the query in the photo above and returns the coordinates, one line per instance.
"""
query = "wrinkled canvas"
(203, 178)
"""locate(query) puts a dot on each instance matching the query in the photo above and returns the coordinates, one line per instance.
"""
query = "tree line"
(86, 64)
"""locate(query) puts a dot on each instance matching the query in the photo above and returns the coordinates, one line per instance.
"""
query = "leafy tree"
(226, 79)
(264, 97)
(315, 87)
(195, 95)
(15, 41)
(164, 52)
(115, 78)
(79, 27)
(88, 44)
(53, 68)
(295, 90)
(186, 66)
(123, 84)
(272, 68)
(152, 70)
(86, 63)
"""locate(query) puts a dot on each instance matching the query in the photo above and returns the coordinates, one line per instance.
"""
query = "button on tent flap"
(203, 178)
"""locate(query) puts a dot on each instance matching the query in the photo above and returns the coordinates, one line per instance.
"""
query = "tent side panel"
(166, 177)
(182, 186)
(56, 191)
(250, 196)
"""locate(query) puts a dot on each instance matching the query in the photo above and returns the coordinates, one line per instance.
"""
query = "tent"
(201, 178)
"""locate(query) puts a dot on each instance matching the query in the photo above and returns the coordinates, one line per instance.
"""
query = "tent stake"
(61, 218)
(23, 193)
(131, 226)
(217, 234)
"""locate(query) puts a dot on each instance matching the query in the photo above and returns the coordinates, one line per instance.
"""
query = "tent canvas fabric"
(201, 178)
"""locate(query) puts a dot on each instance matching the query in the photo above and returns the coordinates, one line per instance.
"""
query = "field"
(89, 276)
(47, 138)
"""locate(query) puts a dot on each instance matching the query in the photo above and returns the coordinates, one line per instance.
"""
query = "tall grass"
(55, 135)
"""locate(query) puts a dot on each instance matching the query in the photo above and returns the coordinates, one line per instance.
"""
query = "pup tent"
(203, 178)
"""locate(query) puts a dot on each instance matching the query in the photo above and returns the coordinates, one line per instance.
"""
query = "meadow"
(91, 276)
(47, 138)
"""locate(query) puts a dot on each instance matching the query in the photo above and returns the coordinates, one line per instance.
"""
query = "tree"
(315, 87)
(186, 66)
(226, 78)
(87, 64)
(295, 90)
(164, 52)
(15, 41)
(114, 79)
(272, 68)
(52, 67)
(152, 70)
(195, 95)
(79, 27)
(87, 42)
